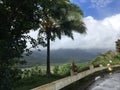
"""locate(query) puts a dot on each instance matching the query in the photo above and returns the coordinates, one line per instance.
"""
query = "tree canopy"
(17, 18)
(60, 18)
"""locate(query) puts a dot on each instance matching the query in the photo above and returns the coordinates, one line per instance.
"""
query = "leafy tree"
(17, 18)
(59, 17)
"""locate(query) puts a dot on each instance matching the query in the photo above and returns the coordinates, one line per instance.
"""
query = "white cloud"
(100, 3)
(101, 34)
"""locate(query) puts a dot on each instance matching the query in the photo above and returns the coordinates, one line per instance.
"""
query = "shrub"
(56, 70)
(64, 70)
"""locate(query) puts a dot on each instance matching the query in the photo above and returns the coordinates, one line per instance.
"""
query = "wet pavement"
(108, 82)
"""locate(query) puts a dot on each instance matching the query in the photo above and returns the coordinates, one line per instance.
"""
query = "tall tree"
(59, 17)
(17, 18)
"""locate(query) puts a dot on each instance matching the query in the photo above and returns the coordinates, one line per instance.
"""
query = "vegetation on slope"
(35, 76)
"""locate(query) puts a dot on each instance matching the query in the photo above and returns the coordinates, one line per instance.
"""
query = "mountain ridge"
(63, 56)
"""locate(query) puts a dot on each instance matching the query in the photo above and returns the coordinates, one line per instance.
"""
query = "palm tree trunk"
(48, 53)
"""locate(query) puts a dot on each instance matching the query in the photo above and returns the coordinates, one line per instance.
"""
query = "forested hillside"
(63, 56)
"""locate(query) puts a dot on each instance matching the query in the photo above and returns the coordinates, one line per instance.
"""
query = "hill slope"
(63, 56)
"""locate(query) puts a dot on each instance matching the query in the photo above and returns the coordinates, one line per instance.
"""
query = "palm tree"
(59, 17)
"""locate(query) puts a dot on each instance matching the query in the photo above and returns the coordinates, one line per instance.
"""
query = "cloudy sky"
(102, 19)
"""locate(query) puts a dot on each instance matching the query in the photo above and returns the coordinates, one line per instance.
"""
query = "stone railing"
(59, 84)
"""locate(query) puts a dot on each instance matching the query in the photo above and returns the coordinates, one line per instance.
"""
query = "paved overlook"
(109, 82)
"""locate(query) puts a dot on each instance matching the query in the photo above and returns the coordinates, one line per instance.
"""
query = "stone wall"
(59, 84)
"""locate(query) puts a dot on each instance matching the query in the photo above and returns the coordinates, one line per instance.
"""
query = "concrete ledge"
(59, 84)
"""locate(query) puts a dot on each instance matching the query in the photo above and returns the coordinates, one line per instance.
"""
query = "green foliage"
(106, 58)
(62, 70)
(34, 81)
(60, 17)
(83, 67)
(117, 56)
(99, 61)
(32, 72)
(33, 77)
(56, 70)
(10, 76)
(17, 18)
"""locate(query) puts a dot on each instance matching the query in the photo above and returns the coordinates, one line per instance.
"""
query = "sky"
(99, 9)
(102, 19)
